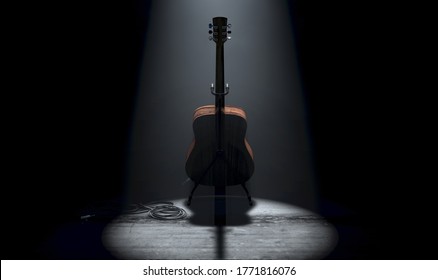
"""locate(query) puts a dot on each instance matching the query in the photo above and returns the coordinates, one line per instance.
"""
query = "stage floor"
(267, 230)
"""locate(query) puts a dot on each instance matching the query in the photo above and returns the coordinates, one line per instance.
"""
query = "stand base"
(189, 201)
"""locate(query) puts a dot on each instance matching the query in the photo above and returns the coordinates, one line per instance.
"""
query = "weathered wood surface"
(268, 230)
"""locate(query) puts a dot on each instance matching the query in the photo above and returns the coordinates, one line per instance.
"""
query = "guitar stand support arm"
(227, 90)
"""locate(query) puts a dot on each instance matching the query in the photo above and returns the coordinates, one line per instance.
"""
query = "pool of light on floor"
(267, 230)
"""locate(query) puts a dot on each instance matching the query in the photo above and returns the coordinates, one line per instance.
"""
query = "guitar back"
(202, 165)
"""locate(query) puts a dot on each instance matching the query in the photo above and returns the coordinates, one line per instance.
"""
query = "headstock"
(219, 30)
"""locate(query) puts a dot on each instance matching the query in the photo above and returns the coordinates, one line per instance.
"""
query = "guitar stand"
(219, 31)
(219, 154)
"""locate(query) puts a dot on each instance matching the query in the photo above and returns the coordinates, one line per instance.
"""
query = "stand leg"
(189, 201)
(245, 188)
(200, 179)
(218, 154)
(247, 194)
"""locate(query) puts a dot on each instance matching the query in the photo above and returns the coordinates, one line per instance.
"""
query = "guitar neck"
(219, 31)
(220, 79)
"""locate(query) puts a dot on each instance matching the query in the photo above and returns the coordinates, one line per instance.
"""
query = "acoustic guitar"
(219, 155)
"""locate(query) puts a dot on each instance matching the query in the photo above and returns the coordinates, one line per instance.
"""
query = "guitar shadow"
(204, 210)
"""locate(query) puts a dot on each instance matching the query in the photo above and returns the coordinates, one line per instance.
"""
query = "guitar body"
(235, 166)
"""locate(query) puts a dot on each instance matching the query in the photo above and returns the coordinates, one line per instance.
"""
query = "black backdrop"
(73, 82)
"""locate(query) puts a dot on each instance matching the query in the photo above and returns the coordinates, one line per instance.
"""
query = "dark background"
(73, 83)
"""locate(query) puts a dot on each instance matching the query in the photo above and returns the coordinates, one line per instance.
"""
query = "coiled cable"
(161, 210)
(158, 210)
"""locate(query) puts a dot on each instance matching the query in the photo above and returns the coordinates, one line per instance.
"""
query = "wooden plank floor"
(267, 230)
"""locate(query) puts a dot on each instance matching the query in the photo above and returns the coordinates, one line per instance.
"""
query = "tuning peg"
(210, 25)
(210, 38)
(210, 31)
(228, 38)
(229, 25)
